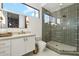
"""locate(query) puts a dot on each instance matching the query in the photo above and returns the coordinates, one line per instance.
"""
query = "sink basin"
(23, 32)
(5, 34)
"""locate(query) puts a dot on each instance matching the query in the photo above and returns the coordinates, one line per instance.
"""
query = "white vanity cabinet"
(17, 47)
(5, 48)
(29, 44)
(21, 46)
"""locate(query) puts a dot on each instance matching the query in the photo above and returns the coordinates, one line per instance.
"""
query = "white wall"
(0, 5)
(37, 6)
(37, 22)
(21, 21)
(35, 26)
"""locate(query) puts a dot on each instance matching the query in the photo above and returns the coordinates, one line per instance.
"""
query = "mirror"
(13, 20)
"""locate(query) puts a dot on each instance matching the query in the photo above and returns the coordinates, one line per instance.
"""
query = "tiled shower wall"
(66, 31)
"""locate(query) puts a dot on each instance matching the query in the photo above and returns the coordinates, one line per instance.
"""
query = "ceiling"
(55, 6)
(50, 6)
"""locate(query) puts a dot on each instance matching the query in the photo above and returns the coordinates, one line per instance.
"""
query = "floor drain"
(56, 45)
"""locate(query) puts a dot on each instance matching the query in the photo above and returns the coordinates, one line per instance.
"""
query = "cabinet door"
(5, 48)
(29, 44)
(18, 47)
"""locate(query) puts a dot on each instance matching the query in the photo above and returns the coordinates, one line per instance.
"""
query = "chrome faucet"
(22, 32)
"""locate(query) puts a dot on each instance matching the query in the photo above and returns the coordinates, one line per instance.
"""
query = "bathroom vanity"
(17, 45)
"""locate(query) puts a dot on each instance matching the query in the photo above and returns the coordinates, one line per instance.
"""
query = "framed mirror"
(13, 20)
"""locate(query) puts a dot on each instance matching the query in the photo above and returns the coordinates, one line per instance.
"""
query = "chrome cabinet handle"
(25, 39)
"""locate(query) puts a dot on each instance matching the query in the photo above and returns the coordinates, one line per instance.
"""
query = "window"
(58, 21)
(46, 18)
(53, 20)
(49, 19)
(21, 8)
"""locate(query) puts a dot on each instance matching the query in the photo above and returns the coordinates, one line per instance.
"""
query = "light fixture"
(60, 4)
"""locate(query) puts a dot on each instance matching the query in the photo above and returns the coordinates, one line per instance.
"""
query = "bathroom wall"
(37, 6)
(0, 5)
(35, 26)
(36, 23)
(21, 21)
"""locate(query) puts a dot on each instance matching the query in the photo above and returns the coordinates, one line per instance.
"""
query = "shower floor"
(61, 46)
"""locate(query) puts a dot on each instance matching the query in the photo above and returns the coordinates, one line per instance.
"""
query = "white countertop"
(16, 36)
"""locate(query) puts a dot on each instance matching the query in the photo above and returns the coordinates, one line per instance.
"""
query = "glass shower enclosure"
(64, 30)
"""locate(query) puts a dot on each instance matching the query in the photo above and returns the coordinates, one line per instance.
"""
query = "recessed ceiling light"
(60, 4)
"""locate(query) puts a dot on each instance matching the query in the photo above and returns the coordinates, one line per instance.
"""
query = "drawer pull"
(24, 39)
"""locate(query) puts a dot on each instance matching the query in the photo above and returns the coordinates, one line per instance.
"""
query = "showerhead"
(64, 16)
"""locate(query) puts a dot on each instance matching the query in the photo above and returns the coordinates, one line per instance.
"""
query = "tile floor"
(47, 52)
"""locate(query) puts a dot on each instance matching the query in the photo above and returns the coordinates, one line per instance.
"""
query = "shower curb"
(62, 52)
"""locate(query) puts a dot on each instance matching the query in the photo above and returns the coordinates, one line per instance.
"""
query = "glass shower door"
(46, 28)
(65, 30)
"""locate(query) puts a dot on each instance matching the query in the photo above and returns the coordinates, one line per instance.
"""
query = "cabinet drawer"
(4, 51)
(17, 47)
(5, 43)
(29, 44)
(4, 48)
